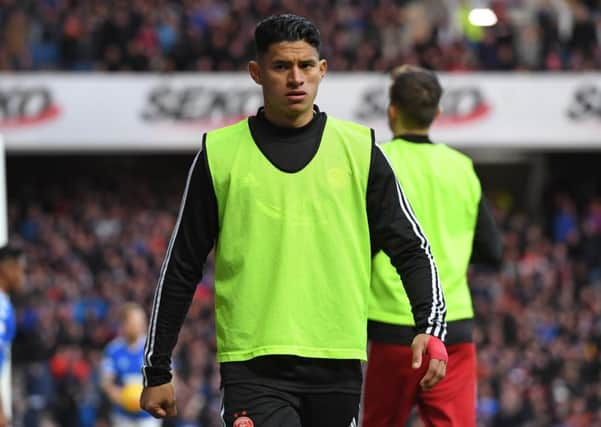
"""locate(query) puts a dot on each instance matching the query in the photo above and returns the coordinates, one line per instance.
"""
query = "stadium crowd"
(539, 321)
(204, 35)
(98, 241)
(89, 249)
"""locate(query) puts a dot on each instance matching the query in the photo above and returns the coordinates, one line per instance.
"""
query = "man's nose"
(295, 77)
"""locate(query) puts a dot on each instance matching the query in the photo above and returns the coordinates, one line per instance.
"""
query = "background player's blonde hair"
(127, 308)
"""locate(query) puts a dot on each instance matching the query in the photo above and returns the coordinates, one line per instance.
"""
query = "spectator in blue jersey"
(12, 276)
(121, 367)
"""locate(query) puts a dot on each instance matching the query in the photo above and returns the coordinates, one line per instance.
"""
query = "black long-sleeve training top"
(487, 249)
(392, 227)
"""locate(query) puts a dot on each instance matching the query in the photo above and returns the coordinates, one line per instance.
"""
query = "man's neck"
(132, 343)
(400, 130)
(289, 122)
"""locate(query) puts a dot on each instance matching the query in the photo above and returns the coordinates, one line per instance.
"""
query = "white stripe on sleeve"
(150, 340)
(438, 308)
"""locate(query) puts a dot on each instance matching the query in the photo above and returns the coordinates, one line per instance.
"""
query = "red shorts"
(392, 388)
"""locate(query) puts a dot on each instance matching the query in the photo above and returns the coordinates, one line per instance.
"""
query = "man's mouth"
(296, 95)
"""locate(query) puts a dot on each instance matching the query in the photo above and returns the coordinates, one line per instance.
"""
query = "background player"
(12, 277)
(120, 370)
(445, 193)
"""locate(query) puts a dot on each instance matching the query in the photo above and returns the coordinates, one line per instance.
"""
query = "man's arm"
(5, 344)
(107, 379)
(113, 391)
(395, 230)
(4, 422)
(488, 245)
(192, 239)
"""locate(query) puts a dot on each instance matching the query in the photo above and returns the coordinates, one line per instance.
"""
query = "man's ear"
(393, 113)
(323, 67)
(255, 71)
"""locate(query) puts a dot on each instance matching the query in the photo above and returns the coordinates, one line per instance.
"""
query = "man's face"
(134, 325)
(13, 273)
(289, 73)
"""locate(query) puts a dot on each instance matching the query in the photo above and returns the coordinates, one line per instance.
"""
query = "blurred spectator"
(70, 372)
(14, 46)
(565, 222)
(189, 35)
(540, 336)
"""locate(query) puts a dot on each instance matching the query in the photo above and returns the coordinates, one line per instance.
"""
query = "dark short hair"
(9, 251)
(285, 28)
(416, 93)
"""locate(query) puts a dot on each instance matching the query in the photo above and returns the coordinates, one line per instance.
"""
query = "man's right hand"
(159, 401)
(437, 367)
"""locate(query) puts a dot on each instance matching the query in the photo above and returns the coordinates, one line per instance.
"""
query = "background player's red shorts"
(392, 388)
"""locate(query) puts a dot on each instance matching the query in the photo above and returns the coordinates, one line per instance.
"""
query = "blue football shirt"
(124, 364)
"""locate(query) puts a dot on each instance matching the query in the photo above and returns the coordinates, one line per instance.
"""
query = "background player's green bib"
(444, 193)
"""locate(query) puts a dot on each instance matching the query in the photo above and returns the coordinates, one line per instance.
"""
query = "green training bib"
(293, 258)
(444, 193)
